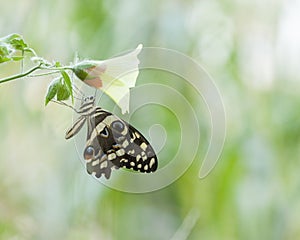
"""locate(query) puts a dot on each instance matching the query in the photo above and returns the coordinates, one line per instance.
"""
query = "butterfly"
(111, 142)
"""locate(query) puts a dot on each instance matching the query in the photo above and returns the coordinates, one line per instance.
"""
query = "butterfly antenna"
(79, 93)
(78, 90)
(77, 98)
(64, 104)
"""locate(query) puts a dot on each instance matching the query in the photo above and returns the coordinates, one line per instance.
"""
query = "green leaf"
(59, 89)
(4, 59)
(18, 44)
(15, 40)
(62, 92)
(10, 44)
(57, 64)
(5, 52)
(5, 49)
(10, 37)
(68, 83)
(17, 58)
(52, 90)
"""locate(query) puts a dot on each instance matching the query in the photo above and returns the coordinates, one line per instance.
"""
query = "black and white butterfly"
(111, 142)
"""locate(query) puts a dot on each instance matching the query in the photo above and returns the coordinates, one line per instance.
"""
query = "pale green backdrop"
(251, 49)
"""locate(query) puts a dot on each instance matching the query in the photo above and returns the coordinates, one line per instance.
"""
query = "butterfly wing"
(76, 127)
(138, 151)
(113, 143)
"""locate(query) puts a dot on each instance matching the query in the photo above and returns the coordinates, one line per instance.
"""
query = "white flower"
(114, 76)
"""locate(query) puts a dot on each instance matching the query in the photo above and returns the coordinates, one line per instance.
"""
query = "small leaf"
(10, 37)
(9, 45)
(57, 64)
(5, 52)
(16, 41)
(17, 58)
(68, 83)
(5, 49)
(4, 59)
(62, 92)
(52, 90)
(18, 44)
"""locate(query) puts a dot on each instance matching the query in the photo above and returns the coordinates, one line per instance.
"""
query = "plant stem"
(20, 75)
(39, 67)
(57, 68)
(44, 74)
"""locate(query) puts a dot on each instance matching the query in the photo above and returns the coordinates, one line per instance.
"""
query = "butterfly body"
(111, 142)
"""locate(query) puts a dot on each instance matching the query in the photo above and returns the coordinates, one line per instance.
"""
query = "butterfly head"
(87, 103)
(89, 99)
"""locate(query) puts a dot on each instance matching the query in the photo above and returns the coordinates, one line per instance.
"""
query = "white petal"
(116, 76)
(118, 67)
(120, 75)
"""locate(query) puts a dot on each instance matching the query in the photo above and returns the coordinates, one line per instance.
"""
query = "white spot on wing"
(94, 163)
(137, 135)
(103, 158)
(111, 156)
(125, 143)
(131, 152)
(120, 152)
(152, 161)
(133, 138)
(103, 165)
(123, 160)
(144, 157)
(143, 146)
(132, 164)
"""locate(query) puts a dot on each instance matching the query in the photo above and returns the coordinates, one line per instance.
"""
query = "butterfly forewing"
(140, 152)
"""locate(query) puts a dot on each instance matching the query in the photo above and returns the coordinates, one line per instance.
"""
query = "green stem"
(58, 68)
(44, 74)
(20, 75)
(39, 67)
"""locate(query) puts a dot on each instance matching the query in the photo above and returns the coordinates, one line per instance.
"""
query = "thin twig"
(44, 74)
(57, 68)
(20, 75)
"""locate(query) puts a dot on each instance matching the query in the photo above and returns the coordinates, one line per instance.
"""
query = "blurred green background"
(252, 50)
